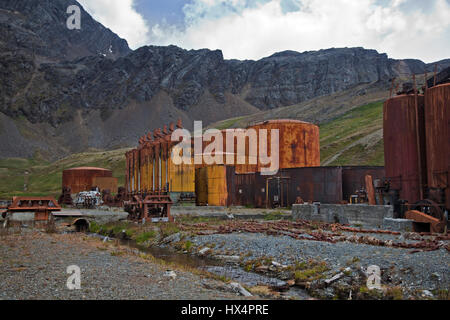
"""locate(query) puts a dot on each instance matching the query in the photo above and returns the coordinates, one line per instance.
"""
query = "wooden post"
(370, 190)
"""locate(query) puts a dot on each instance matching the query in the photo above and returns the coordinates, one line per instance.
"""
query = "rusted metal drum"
(299, 144)
(437, 123)
(405, 164)
(82, 179)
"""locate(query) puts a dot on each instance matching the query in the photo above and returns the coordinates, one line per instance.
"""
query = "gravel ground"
(33, 266)
(422, 270)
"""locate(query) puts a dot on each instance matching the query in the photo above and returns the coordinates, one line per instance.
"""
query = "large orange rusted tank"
(82, 178)
(404, 145)
(437, 123)
(299, 144)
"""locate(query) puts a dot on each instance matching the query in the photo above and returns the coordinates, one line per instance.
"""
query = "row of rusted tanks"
(416, 130)
(415, 176)
(151, 173)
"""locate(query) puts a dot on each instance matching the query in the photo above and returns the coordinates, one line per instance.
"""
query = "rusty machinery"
(41, 206)
(147, 181)
(65, 197)
(417, 153)
(114, 201)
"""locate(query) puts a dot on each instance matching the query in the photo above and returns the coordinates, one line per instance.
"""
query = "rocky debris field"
(200, 257)
(33, 265)
(328, 261)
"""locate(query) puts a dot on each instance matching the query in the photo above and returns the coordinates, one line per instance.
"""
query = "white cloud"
(255, 29)
(121, 17)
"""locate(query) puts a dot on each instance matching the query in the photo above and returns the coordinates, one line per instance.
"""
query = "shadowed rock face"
(39, 27)
(54, 76)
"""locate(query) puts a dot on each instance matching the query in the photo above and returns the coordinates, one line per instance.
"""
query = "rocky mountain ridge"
(85, 88)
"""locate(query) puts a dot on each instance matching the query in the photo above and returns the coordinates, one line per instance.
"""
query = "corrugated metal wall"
(437, 123)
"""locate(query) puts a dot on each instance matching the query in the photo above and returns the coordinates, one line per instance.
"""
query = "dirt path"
(33, 265)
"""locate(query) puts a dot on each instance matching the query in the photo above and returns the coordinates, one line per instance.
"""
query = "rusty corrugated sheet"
(322, 184)
(242, 188)
(437, 123)
(401, 154)
(81, 179)
(353, 178)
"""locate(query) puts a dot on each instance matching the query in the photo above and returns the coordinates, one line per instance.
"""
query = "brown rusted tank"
(82, 179)
(299, 144)
(437, 123)
(404, 145)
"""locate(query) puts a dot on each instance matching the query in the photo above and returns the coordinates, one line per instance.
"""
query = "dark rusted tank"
(437, 123)
(353, 178)
(299, 144)
(82, 179)
(404, 145)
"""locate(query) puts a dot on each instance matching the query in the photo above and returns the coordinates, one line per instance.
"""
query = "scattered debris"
(204, 251)
(228, 258)
(337, 276)
(427, 294)
(170, 274)
(279, 265)
(240, 289)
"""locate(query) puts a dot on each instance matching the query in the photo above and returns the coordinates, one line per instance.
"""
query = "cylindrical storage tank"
(81, 179)
(437, 125)
(405, 164)
(299, 144)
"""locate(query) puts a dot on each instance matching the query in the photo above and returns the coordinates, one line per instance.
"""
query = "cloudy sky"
(252, 29)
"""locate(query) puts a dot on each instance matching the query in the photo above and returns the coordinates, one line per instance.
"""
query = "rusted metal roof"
(87, 168)
(274, 121)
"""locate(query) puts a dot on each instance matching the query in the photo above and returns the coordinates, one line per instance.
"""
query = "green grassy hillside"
(354, 138)
(45, 178)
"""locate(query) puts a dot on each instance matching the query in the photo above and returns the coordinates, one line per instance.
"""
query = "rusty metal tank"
(299, 144)
(437, 124)
(82, 178)
(404, 145)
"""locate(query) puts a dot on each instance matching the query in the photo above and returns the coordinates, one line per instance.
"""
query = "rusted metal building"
(437, 124)
(83, 178)
(222, 186)
(404, 145)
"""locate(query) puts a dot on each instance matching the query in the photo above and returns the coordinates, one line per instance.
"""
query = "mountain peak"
(38, 27)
